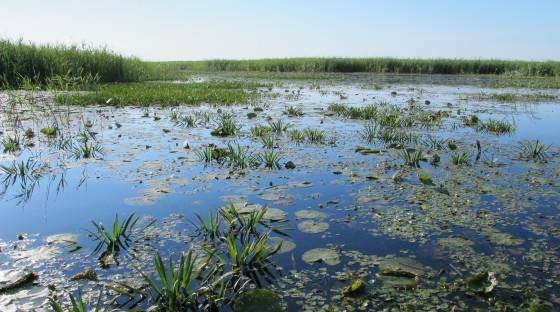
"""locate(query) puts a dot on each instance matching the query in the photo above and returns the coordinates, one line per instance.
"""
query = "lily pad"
(401, 266)
(355, 288)
(310, 214)
(326, 255)
(312, 226)
(258, 300)
(287, 245)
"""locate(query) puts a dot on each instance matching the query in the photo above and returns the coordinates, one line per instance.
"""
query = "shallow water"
(500, 214)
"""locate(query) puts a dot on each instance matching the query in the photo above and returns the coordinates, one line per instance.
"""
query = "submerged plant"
(534, 150)
(271, 159)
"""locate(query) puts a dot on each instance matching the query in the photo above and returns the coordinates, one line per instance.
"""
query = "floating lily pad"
(312, 226)
(287, 245)
(326, 255)
(310, 214)
(258, 300)
(401, 266)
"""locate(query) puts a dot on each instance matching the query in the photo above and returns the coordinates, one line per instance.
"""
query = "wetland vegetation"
(197, 186)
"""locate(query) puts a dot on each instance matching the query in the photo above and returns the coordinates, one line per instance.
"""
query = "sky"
(247, 29)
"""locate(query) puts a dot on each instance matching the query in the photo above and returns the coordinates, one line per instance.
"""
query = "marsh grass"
(86, 146)
(297, 136)
(494, 126)
(518, 97)
(278, 126)
(460, 159)
(226, 126)
(412, 157)
(271, 159)
(165, 94)
(378, 65)
(77, 304)
(337, 108)
(239, 157)
(294, 111)
(267, 142)
(370, 132)
(435, 143)
(209, 229)
(394, 136)
(533, 150)
(116, 239)
(11, 144)
(26, 64)
(260, 131)
(314, 136)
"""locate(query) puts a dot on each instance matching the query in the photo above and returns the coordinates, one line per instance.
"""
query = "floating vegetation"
(495, 126)
(533, 150)
(49, 131)
(328, 256)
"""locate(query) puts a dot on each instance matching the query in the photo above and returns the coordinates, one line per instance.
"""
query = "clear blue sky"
(206, 29)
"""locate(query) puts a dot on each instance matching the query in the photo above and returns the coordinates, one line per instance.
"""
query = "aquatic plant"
(260, 131)
(209, 229)
(239, 157)
(297, 136)
(25, 172)
(267, 142)
(77, 304)
(534, 150)
(116, 239)
(337, 108)
(10, 144)
(271, 159)
(226, 126)
(86, 146)
(495, 126)
(412, 157)
(293, 111)
(206, 154)
(460, 159)
(278, 126)
(370, 131)
(435, 143)
(176, 287)
(391, 135)
(202, 116)
(314, 136)
(187, 121)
